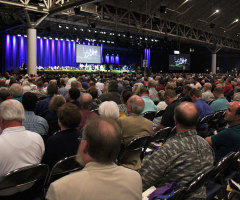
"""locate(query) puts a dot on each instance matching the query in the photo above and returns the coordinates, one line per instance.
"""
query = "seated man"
(132, 127)
(227, 140)
(65, 142)
(221, 103)
(33, 122)
(183, 157)
(100, 179)
(172, 101)
(149, 105)
(18, 147)
(207, 95)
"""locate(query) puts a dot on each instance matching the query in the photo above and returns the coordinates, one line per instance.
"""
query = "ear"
(85, 146)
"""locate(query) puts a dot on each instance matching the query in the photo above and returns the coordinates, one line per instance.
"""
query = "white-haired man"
(18, 147)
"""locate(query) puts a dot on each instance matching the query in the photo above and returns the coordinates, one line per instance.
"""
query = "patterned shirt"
(182, 158)
(35, 123)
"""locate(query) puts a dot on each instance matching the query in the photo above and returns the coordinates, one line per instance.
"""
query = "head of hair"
(56, 102)
(16, 90)
(126, 94)
(144, 90)
(136, 103)
(75, 84)
(93, 91)
(218, 90)
(74, 93)
(109, 109)
(105, 134)
(137, 87)
(161, 95)
(187, 118)
(4, 93)
(208, 86)
(195, 92)
(152, 83)
(52, 89)
(236, 96)
(26, 88)
(29, 101)
(170, 93)
(86, 101)
(113, 86)
(39, 83)
(12, 110)
(65, 115)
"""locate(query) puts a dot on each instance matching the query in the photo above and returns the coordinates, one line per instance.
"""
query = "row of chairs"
(215, 180)
(151, 115)
(142, 143)
(32, 181)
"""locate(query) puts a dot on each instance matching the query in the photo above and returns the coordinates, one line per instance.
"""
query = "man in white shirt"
(18, 147)
(101, 178)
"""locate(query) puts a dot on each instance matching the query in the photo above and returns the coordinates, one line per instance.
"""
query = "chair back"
(162, 134)
(64, 167)
(198, 182)
(139, 143)
(29, 180)
(149, 115)
(206, 119)
(95, 111)
(223, 164)
(159, 113)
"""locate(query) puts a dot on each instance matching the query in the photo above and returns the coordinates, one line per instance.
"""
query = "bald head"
(135, 104)
(186, 115)
(86, 101)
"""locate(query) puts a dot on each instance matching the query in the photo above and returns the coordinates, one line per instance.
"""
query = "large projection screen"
(88, 54)
(179, 62)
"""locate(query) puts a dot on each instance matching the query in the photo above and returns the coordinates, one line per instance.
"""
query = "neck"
(12, 123)
(233, 123)
(144, 95)
(182, 130)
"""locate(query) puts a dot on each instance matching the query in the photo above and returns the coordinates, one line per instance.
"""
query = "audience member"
(132, 127)
(74, 96)
(4, 94)
(98, 150)
(125, 95)
(33, 122)
(19, 146)
(207, 95)
(112, 94)
(42, 106)
(56, 102)
(85, 106)
(64, 143)
(16, 92)
(221, 103)
(153, 94)
(171, 100)
(227, 140)
(183, 156)
(149, 105)
(109, 109)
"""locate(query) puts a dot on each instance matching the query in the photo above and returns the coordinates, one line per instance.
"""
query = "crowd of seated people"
(45, 118)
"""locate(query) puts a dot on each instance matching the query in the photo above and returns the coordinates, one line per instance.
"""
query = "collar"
(95, 165)
(187, 133)
(13, 130)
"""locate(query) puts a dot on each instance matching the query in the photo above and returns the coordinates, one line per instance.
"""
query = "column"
(214, 63)
(32, 51)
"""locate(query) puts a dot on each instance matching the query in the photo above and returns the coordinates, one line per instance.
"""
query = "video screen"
(88, 54)
(179, 62)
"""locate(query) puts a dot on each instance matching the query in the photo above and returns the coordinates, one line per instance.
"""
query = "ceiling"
(210, 22)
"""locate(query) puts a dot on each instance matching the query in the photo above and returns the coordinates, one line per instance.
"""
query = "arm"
(209, 140)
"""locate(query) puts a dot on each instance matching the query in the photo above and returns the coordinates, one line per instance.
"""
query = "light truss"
(153, 24)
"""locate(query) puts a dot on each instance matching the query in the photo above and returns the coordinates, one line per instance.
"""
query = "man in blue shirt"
(203, 108)
(227, 140)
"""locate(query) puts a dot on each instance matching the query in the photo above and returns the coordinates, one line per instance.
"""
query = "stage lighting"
(67, 27)
(74, 28)
(59, 26)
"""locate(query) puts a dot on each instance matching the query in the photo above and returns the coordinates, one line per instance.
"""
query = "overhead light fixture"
(59, 26)
(19, 35)
(67, 27)
(217, 11)
(236, 20)
(74, 28)
(81, 29)
(56, 38)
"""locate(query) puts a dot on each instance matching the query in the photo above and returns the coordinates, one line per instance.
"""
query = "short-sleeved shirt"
(226, 141)
(219, 104)
(167, 118)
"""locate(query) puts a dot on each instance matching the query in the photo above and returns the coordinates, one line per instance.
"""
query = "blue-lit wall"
(50, 52)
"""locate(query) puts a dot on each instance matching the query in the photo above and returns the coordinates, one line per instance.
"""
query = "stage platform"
(84, 71)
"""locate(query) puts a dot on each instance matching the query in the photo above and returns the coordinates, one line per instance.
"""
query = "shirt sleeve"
(152, 169)
(220, 138)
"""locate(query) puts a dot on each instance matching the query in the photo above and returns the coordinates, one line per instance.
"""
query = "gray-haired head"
(12, 110)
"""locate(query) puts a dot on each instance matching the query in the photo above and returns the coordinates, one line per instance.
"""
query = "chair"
(162, 134)
(197, 183)
(95, 110)
(205, 120)
(218, 182)
(28, 182)
(159, 113)
(149, 115)
(139, 143)
(63, 167)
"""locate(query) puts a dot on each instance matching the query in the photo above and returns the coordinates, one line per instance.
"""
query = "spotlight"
(236, 20)
(67, 27)
(59, 26)
(163, 9)
(74, 28)
(217, 11)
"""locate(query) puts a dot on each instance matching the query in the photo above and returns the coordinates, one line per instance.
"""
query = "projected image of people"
(88, 54)
(179, 62)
